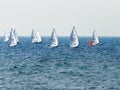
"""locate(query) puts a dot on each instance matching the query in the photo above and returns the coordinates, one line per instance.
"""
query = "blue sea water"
(39, 67)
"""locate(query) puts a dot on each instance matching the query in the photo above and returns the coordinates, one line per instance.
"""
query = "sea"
(30, 66)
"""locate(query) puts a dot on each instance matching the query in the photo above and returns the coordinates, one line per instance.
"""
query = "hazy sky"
(44, 15)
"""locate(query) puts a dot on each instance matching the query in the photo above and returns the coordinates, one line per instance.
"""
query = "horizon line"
(60, 36)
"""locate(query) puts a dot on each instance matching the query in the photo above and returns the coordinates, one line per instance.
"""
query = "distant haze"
(44, 15)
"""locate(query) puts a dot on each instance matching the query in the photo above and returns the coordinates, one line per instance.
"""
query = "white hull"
(12, 44)
(38, 41)
(5, 40)
(33, 41)
(74, 45)
(95, 43)
(54, 44)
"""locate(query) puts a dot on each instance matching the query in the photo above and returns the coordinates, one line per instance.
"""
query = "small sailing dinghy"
(74, 38)
(6, 38)
(16, 36)
(13, 41)
(33, 37)
(95, 40)
(38, 38)
(54, 39)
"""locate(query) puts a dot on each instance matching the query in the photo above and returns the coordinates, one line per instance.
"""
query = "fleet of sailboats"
(74, 38)
(54, 39)
(36, 38)
(13, 39)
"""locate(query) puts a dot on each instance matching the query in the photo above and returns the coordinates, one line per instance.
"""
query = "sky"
(44, 15)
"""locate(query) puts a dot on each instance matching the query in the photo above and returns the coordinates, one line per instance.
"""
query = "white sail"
(74, 38)
(12, 39)
(38, 37)
(6, 38)
(54, 40)
(95, 38)
(16, 36)
(33, 37)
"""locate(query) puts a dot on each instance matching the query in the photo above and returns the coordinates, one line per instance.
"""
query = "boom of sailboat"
(36, 38)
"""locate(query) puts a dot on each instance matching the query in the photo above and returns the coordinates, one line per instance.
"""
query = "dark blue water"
(38, 67)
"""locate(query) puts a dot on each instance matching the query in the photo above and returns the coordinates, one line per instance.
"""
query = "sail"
(16, 36)
(38, 37)
(54, 40)
(6, 38)
(33, 37)
(74, 38)
(95, 38)
(12, 39)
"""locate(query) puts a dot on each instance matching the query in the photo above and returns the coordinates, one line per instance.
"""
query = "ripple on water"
(38, 67)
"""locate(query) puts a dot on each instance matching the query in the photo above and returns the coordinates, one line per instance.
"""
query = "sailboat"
(74, 38)
(38, 38)
(33, 37)
(54, 39)
(6, 38)
(16, 36)
(95, 40)
(13, 41)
